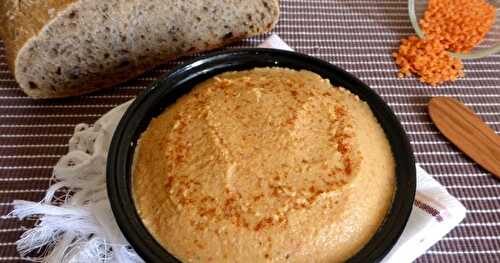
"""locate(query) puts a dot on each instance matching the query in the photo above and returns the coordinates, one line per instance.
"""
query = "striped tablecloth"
(357, 35)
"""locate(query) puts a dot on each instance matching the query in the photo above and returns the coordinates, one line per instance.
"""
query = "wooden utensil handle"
(467, 131)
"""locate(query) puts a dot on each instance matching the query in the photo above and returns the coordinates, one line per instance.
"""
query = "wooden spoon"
(469, 133)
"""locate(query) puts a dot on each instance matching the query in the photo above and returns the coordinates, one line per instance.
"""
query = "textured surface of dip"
(264, 165)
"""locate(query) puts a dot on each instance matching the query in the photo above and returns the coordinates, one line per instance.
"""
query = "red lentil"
(455, 25)
(428, 59)
(458, 24)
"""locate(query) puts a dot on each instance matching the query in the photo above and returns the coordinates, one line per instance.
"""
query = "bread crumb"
(51, 12)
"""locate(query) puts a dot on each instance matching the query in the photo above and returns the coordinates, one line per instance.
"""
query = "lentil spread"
(264, 165)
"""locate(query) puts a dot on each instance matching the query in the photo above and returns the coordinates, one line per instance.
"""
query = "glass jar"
(489, 45)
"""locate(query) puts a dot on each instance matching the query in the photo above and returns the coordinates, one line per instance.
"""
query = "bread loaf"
(59, 48)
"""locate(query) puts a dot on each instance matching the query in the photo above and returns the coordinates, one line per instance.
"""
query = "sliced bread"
(59, 48)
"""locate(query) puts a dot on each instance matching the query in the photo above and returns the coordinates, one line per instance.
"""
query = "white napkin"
(435, 212)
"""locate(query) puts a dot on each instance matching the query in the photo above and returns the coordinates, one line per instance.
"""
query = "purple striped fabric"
(357, 35)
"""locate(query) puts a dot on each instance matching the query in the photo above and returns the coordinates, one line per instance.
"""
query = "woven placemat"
(357, 35)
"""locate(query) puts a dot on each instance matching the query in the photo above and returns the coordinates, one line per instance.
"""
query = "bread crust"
(61, 48)
(21, 20)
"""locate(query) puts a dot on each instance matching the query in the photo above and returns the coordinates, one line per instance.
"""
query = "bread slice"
(59, 48)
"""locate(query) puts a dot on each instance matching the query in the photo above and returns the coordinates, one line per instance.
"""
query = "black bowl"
(181, 79)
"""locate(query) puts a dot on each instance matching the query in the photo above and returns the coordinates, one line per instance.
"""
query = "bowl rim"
(481, 53)
(181, 79)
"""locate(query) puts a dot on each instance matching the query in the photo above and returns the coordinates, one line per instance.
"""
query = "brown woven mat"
(357, 35)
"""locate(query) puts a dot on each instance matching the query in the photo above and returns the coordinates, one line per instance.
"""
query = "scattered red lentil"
(455, 25)
(428, 59)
